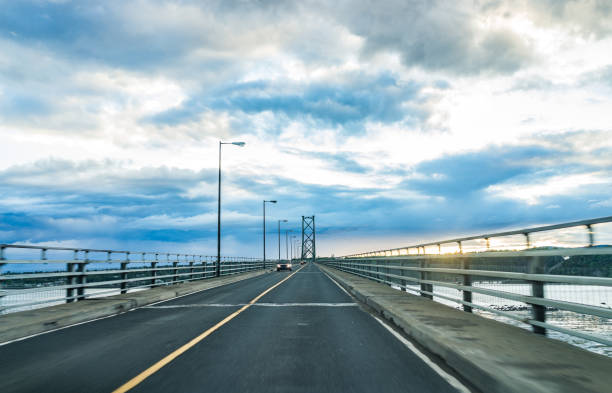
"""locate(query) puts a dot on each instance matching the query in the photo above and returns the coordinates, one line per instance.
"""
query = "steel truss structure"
(308, 238)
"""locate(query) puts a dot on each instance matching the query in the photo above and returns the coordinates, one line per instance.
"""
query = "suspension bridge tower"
(308, 238)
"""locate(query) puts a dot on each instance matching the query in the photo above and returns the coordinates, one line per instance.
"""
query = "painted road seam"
(255, 305)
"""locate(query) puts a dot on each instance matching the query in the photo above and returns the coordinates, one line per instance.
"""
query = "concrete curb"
(26, 323)
(493, 356)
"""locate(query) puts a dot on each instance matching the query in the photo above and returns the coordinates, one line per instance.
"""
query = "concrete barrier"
(493, 356)
(26, 323)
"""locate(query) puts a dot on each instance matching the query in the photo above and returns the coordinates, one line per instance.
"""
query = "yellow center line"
(161, 363)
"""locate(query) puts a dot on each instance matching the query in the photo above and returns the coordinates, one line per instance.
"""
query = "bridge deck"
(304, 335)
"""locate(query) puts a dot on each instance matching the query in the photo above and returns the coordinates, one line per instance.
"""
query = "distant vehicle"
(302, 262)
(283, 266)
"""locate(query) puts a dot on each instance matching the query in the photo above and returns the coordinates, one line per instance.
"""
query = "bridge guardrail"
(524, 286)
(397, 272)
(527, 232)
(95, 273)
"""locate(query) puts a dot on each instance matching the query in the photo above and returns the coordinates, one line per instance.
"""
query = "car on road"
(283, 266)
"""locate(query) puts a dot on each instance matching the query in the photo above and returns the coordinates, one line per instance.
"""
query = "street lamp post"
(218, 272)
(287, 242)
(279, 221)
(264, 231)
(292, 242)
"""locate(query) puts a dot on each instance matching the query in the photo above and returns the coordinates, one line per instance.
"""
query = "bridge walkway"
(304, 335)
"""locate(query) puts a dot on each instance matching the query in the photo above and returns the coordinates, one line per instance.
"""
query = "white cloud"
(562, 185)
(485, 75)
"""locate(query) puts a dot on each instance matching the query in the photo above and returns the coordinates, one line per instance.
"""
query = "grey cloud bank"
(375, 116)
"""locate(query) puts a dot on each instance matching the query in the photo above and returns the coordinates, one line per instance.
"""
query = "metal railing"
(60, 274)
(525, 286)
(421, 248)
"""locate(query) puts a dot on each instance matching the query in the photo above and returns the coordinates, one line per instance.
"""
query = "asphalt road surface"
(304, 335)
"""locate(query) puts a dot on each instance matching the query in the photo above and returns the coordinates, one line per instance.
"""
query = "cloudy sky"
(393, 122)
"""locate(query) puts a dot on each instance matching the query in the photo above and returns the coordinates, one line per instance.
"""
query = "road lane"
(305, 335)
(299, 349)
(101, 355)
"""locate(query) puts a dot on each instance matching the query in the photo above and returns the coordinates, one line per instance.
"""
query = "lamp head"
(272, 201)
(241, 144)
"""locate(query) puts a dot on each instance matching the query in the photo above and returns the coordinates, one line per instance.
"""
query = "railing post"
(388, 279)
(402, 273)
(191, 267)
(123, 266)
(467, 281)
(2, 258)
(425, 276)
(591, 235)
(175, 271)
(82, 279)
(154, 271)
(536, 266)
(71, 279)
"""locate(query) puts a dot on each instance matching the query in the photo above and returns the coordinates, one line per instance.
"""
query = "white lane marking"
(307, 304)
(339, 286)
(56, 329)
(114, 315)
(454, 382)
(256, 305)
